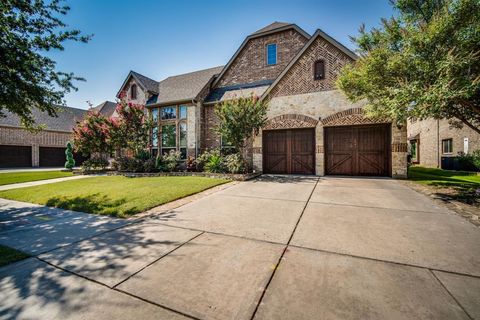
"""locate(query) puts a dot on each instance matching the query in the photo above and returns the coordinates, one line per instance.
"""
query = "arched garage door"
(358, 150)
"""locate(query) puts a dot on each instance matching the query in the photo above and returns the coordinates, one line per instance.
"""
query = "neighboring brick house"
(432, 140)
(312, 128)
(46, 148)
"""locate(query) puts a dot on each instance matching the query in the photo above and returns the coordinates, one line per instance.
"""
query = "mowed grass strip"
(115, 195)
(9, 255)
(439, 177)
(27, 176)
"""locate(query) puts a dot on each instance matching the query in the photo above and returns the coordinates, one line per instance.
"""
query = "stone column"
(35, 155)
(319, 151)
(192, 130)
(257, 153)
(399, 151)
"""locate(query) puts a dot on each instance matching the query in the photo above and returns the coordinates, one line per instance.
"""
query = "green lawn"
(465, 184)
(26, 176)
(9, 255)
(114, 195)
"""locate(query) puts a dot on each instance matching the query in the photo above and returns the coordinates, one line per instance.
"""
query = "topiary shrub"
(70, 163)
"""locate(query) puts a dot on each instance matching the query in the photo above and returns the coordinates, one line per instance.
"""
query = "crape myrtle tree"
(422, 63)
(91, 135)
(131, 127)
(240, 120)
(29, 29)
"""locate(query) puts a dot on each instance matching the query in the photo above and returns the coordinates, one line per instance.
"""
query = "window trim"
(266, 53)
(417, 150)
(175, 107)
(176, 122)
(315, 69)
(451, 146)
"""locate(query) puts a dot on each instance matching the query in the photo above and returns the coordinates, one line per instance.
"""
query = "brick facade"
(250, 65)
(430, 133)
(299, 79)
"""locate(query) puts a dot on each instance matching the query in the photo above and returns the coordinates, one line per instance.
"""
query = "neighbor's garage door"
(358, 150)
(15, 156)
(289, 151)
(51, 157)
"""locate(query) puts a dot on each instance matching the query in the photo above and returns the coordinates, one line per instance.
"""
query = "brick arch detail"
(290, 121)
(349, 117)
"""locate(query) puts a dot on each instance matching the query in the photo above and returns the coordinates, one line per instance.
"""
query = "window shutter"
(319, 70)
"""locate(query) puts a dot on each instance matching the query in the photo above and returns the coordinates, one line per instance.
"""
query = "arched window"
(133, 91)
(319, 70)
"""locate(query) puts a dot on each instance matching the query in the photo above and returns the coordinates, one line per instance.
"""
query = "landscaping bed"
(28, 176)
(117, 196)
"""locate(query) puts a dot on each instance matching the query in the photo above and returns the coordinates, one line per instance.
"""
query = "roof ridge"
(183, 74)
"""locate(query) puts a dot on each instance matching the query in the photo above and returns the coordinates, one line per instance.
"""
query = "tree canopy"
(28, 77)
(422, 63)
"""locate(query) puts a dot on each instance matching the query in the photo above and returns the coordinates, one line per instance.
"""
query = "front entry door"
(289, 151)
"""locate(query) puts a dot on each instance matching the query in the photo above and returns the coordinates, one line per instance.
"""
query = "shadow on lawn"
(95, 203)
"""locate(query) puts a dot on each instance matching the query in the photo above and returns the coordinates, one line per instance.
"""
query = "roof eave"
(168, 103)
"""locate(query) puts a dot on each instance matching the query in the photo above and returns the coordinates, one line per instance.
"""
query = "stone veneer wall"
(45, 138)
(311, 110)
(251, 65)
(141, 94)
(431, 132)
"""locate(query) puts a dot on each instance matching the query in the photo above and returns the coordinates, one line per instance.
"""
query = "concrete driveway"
(272, 248)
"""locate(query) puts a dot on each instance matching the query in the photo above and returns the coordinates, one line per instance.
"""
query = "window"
(169, 138)
(414, 150)
(182, 128)
(155, 115)
(271, 54)
(182, 110)
(155, 137)
(167, 113)
(447, 146)
(319, 70)
(133, 91)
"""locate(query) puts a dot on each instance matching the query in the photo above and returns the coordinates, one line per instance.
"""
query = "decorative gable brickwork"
(300, 78)
(290, 121)
(354, 116)
(250, 64)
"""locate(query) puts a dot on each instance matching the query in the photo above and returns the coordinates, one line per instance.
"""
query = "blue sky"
(163, 38)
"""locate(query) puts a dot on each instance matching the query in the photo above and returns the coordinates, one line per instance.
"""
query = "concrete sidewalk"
(272, 248)
(40, 182)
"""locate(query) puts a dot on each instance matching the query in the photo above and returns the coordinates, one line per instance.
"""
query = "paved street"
(272, 248)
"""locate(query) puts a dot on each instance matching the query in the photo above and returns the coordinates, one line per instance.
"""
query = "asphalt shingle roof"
(149, 84)
(183, 87)
(240, 90)
(106, 108)
(272, 26)
(65, 120)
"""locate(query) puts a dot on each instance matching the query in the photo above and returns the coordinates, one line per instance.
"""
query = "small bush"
(191, 164)
(168, 162)
(143, 155)
(215, 164)
(234, 163)
(128, 164)
(469, 162)
(205, 157)
(95, 163)
(150, 165)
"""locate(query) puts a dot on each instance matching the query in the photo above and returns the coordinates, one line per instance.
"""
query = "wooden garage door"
(51, 157)
(15, 156)
(289, 151)
(358, 150)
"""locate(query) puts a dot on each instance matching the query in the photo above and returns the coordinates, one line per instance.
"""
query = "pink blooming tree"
(90, 136)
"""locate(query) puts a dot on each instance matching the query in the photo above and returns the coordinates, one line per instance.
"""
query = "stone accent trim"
(399, 147)
(257, 150)
(290, 121)
(350, 117)
(320, 149)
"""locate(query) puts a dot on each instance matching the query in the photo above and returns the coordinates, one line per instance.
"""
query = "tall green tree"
(422, 63)
(241, 119)
(28, 77)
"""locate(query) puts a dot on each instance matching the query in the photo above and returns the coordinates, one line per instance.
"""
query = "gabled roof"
(183, 87)
(271, 28)
(65, 121)
(146, 83)
(106, 108)
(317, 34)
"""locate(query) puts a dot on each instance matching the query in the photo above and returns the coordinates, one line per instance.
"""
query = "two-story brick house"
(312, 128)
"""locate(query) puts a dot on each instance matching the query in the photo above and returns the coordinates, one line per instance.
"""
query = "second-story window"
(271, 54)
(133, 91)
(319, 70)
